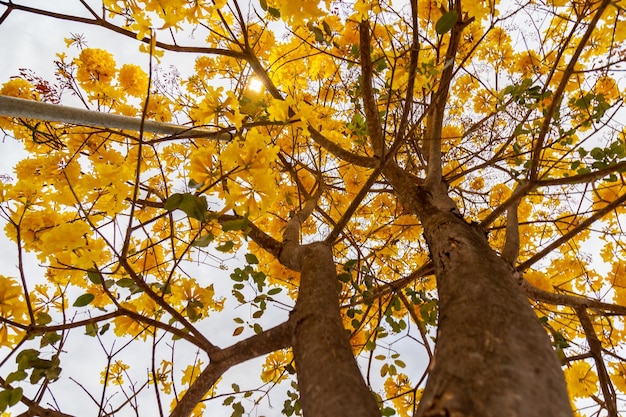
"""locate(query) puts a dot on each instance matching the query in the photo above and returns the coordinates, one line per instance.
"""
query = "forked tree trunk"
(492, 356)
(329, 379)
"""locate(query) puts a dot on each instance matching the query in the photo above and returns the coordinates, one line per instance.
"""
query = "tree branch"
(558, 94)
(273, 339)
(573, 232)
(98, 21)
(595, 347)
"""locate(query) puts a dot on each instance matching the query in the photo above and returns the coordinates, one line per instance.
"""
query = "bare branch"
(19, 107)
(595, 346)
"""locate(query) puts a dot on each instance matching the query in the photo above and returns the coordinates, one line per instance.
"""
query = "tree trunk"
(329, 378)
(492, 356)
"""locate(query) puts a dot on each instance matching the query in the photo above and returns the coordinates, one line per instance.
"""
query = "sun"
(255, 85)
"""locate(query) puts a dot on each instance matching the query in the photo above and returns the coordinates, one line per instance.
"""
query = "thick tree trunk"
(492, 356)
(329, 378)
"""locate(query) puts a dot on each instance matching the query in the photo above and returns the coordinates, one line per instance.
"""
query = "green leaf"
(50, 338)
(226, 246)
(274, 12)
(327, 28)
(194, 206)
(252, 259)
(125, 282)
(173, 202)
(597, 154)
(5, 397)
(446, 22)
(238, 224)
(274, 291)
(16, 376)
(84, 300)
(193, 184)
(204, 241)
(43, 318)
(94, 276)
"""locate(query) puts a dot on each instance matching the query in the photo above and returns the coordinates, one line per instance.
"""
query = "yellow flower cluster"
(12, 308)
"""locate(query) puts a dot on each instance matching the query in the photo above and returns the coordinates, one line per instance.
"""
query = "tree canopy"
(335, 145)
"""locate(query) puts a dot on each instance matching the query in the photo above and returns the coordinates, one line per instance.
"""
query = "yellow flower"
(19, 87)
(12, 307)
(114, 373)
(581, 380)
(95, 66)
(133, 80)
(191, 373)
(274, 366)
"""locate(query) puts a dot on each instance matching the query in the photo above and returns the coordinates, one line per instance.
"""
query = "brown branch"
(372, 116)
(98, 21)
(436, 110)
(417, 321)
(289, 255)
(268, 341)
(573, 301)
(203, 342)
(560, 90)
(339, 152)
(512, 242)
(595, 347)
(573, 232)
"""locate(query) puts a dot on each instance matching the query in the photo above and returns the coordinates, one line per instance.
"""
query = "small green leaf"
(238, 224)
(84, 300)
(327, 28)
(173, 202)
(204, 241)
(125, 282)
(194, 185)
(5, 397)
(94, 276)
(16, 376)
(446, 22)
(274, 291)
(263, 4)
(273, 12)
(194, 206)
(226, 246)
(252, 259)
(43, 318)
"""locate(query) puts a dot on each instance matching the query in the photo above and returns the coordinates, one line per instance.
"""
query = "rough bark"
(329, 378)
(492, 356)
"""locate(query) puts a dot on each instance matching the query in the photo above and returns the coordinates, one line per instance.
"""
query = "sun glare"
(255, 85)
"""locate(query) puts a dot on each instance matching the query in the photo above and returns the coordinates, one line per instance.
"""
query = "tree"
(394, 174)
